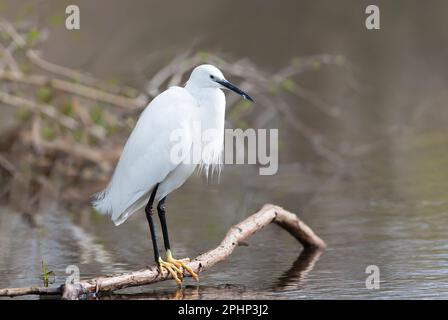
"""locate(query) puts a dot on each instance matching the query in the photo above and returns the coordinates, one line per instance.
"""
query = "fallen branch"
(42, 291)
(235, 236)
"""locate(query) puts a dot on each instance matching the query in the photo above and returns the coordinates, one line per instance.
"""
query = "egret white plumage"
(146, 172)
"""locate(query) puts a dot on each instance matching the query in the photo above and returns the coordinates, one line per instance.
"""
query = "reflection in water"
(290, 280)
(299, 270)
(189, 292)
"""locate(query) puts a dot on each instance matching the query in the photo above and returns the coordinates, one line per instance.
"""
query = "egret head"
(208, 76)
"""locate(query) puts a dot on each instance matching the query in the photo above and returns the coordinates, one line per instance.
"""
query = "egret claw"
(180, 263)
(172, 269)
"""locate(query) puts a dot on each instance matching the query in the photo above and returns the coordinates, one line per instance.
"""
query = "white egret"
(146, 172)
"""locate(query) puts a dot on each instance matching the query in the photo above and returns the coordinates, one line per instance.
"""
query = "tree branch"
(51, 112)
(14, 292)
(74, 88)
(235, 236)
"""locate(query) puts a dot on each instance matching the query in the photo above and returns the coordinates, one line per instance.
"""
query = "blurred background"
(362, 126)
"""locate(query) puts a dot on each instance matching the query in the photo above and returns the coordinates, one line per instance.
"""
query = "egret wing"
(147, 155)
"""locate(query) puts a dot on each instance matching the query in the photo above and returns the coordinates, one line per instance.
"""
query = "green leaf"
(242, 124)
(25, 67)
(96, 114)
(113, 80)
(78, 135)
(239, 108)
(203, 55)
(44, 273)
(48, 133)
(340, 60)
(111, 129)
(297, 61)
(316, 64)
(44, 94)
(67, 109)
(23, 114)
(33, 35)
(288, 84)
(56, 20)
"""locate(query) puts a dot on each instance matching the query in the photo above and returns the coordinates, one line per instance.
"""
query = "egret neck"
(211, 104)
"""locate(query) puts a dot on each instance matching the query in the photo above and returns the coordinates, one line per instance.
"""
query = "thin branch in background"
(7, 165)
(75, 75)
(300, 65)
(51, 112)
(78, 151)
(324, 107)
(153, 86)
(73, 88)
(10, 60)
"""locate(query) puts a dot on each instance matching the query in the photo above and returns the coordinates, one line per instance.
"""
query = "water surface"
(386, 207)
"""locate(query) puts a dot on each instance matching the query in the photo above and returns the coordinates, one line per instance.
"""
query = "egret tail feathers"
(102, 203)
(123, 216)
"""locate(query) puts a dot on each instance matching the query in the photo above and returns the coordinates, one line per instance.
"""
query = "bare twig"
(49, 111)
(73, 88)
(11, 61)
(7, 165)
(310, 96)
(312, 62)
(315, 139)
(78, 151)
(153, 87)
(18, 41)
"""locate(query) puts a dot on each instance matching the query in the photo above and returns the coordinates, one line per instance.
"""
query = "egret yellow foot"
(180, 264)
(173, 269)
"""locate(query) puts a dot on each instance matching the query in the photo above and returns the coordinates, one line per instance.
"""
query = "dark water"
(386, 207)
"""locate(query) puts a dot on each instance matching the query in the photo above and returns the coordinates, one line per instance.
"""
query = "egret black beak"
(235, 89)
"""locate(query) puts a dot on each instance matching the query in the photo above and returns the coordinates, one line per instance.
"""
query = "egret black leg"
(172, 268)
(148, 211)
(180, 264)
(161, 210)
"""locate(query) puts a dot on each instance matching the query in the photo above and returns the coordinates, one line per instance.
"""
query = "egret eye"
(212, 77)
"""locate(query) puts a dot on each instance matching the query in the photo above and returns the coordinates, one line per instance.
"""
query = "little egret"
(146, 172)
